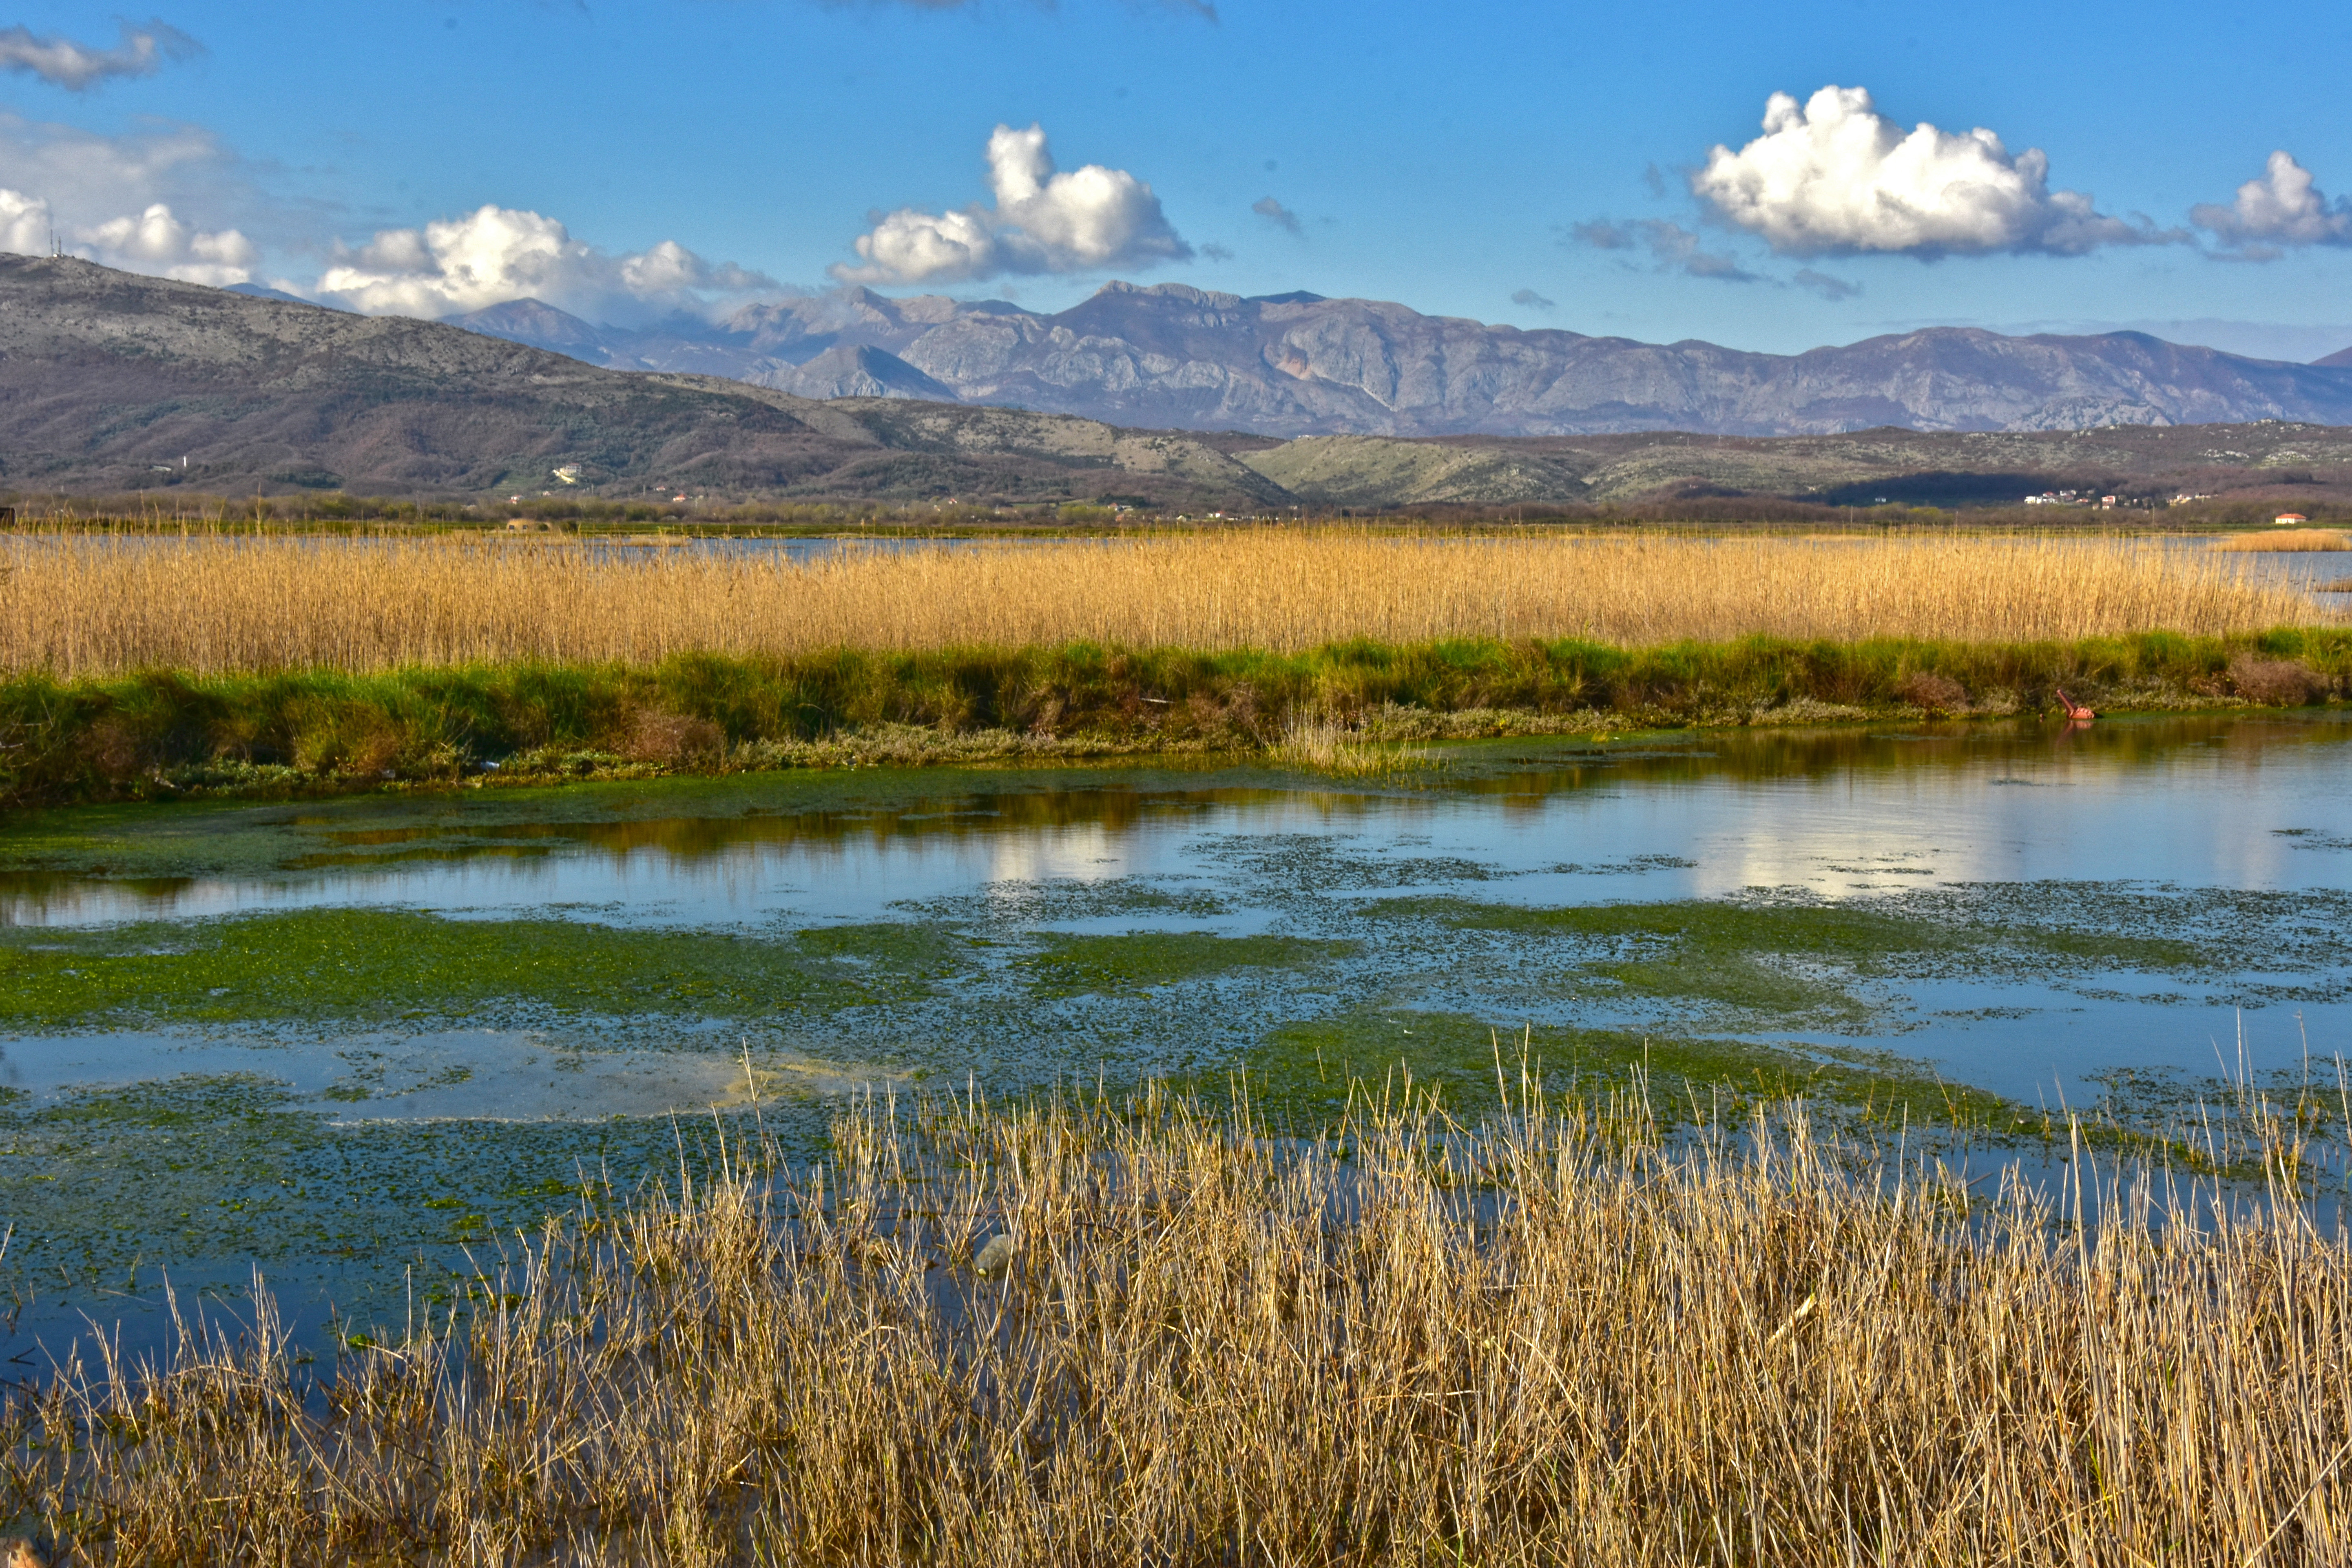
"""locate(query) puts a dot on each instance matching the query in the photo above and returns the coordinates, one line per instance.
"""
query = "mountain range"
(1175, 357)
(111, 382)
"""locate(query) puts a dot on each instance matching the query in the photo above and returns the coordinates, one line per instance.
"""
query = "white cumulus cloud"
(1043, 221)
(497, 254)
(120, 200)
(1833, 177)
(153, 241)
(61, 62)
(158, 243)
(88, 178)
(24, 224)
(2283, 207)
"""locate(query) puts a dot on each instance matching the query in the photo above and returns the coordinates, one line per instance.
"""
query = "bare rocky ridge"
(849, 371)
(108, 381)
(1297, 364)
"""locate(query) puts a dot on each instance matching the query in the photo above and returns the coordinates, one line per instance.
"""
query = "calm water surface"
(2164, 827)
(2064, 913)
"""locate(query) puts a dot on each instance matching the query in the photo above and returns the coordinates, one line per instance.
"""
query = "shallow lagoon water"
(2134, 826)
(375, 1027)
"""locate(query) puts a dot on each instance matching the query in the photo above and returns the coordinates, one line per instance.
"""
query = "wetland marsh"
(342, 1036)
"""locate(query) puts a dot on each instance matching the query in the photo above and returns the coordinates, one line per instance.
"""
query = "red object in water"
(2074, 710)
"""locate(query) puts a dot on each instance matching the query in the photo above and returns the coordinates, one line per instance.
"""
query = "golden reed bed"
(1553, 1340)
(2289, 541)
(91, 605)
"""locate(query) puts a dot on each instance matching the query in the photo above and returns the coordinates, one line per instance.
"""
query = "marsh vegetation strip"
(1346, 709)
(1113, 1333)
(229, 1031)
(2024, 907)
(85, 605)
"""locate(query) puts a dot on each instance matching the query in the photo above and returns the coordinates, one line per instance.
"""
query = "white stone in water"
(995, 1256)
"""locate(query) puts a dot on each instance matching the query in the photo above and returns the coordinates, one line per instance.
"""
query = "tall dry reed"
(82, 605)
(2289, 541)
(1555, 1339)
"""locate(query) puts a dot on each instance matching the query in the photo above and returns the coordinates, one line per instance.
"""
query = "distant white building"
(2289, 520)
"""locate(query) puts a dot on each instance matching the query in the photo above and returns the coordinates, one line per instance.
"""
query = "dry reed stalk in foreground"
(2291, 541)
(1554, 1340)
(85, 605)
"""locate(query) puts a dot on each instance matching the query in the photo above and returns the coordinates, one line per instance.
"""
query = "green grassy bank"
(163, 733)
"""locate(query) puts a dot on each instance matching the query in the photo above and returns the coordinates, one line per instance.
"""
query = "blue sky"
(1544, 164)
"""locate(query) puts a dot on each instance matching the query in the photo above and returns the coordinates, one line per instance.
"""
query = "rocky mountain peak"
(1170, 355)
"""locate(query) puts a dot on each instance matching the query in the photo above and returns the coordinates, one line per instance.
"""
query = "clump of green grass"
(1320, 746)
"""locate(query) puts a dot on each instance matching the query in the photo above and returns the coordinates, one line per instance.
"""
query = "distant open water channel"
(335, 1034)
(2306, 570)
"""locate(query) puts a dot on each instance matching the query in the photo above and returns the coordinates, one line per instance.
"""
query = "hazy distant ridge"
(110, 380)
(1171, 356)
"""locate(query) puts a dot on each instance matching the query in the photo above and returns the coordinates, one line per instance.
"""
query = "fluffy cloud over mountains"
(497, 254)
(24, 224)
(2281, 209)
(1081, 220)
(1834, 176)
(118, 199)
(1828, 177)
(153, 241)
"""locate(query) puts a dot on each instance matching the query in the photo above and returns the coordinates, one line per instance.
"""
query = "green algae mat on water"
(367, 1027)
(378, 965)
